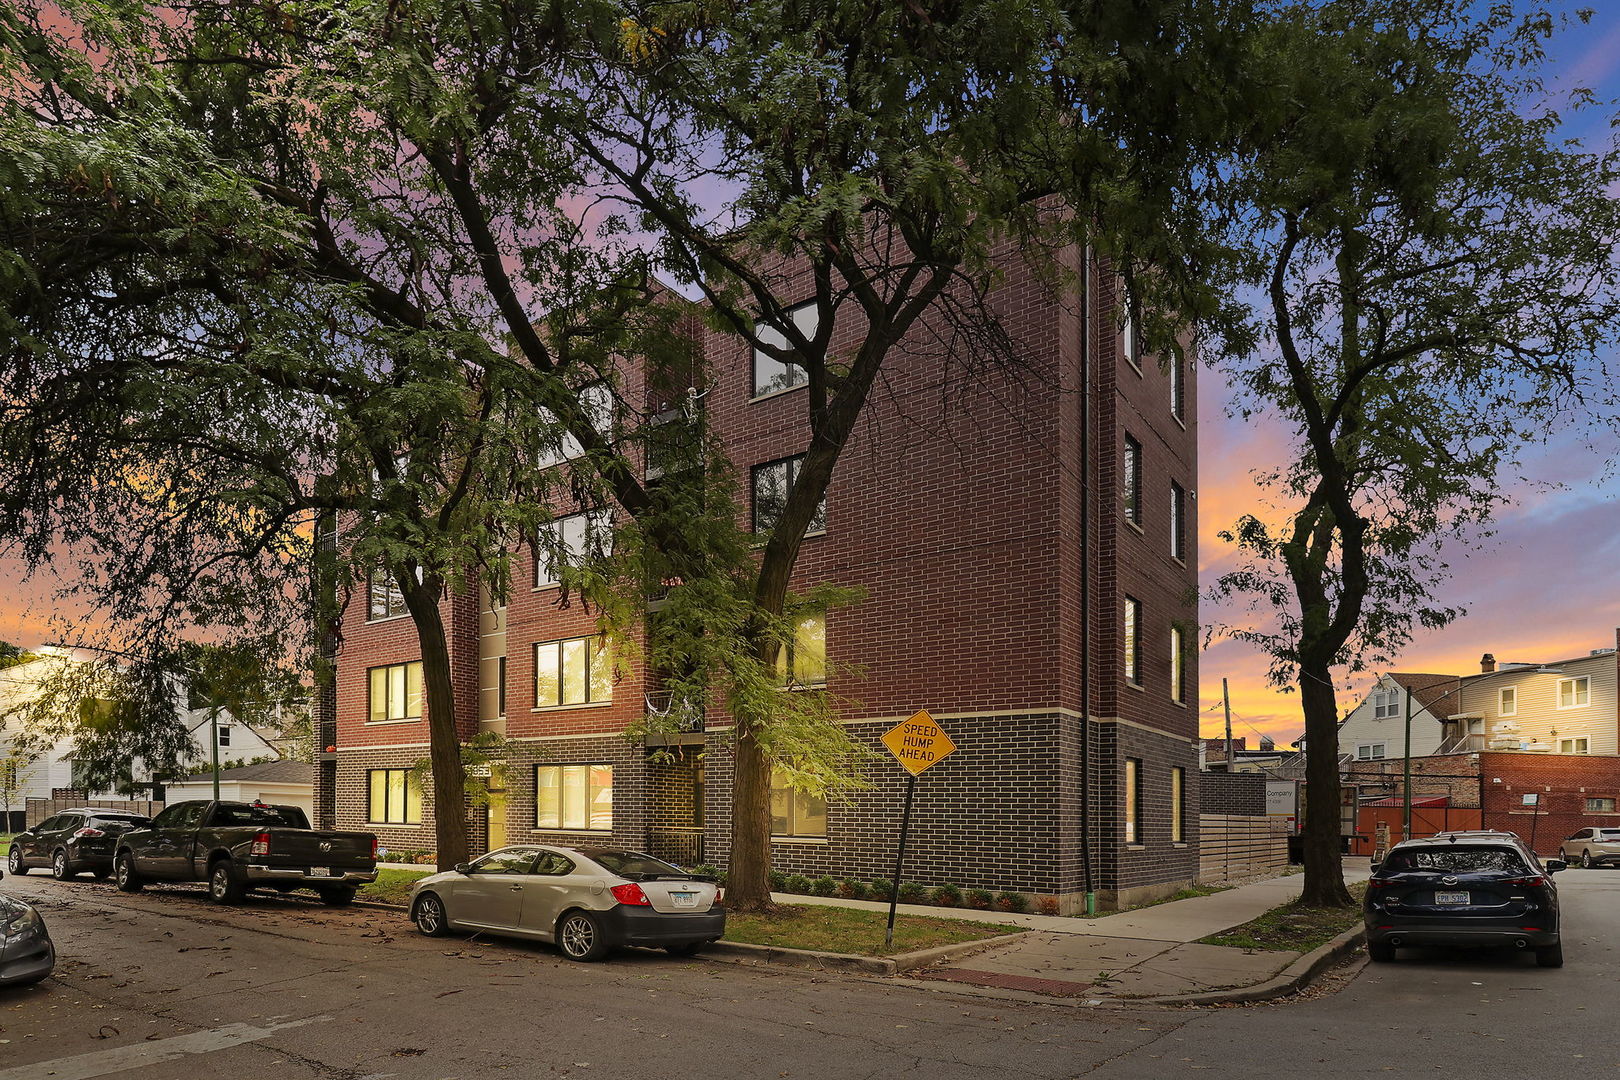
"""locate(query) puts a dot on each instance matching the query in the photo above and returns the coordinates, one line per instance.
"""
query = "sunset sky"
(1545, 587)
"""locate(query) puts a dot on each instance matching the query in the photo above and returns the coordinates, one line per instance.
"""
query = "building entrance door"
(495, 809)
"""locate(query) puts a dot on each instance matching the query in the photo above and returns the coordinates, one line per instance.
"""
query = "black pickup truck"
(237, 846)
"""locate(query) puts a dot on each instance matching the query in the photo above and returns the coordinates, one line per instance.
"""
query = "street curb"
(1293, 978)
(866, 965)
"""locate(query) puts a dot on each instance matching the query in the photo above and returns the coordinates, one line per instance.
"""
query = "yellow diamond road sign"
(918, 743)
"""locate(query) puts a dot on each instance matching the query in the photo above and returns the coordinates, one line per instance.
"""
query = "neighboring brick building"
(956, 507)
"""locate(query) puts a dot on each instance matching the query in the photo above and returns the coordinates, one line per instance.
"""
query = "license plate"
(684, 899)
(326, 871)
(1451, 898)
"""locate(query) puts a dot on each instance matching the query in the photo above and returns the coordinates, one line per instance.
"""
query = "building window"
(1600, 806)
(1572, 746)
(1178, 665)
(795, 812)
(1178, 521)
(396, 692)
(575, 797)
(1133, 641)
(1574, 693)
(395, 797)
(1178, 805)
(1133, 801)
(223, 734)
(773, 482)
(771, 374)
(558, 445)
(386, 599)
(1507, 703)
(802, 661)
(571, 541)
(1178, 386)
(1130, 339)
(1386, 703)
(575, 671)
(1131, 482)
(1369, 751)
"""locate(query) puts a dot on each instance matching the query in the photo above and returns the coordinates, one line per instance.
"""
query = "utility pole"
(1226, 700)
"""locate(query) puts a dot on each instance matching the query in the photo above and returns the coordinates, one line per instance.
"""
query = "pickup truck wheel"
(224, 887)
(428, 914)
(124, 873)
(336, 897)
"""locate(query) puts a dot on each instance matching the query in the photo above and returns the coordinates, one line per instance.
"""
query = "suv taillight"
(89, 832)
(630, 893)
(374, 848)
(261, 844)
(1530, 882)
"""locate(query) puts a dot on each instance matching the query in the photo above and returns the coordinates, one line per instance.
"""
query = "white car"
(1592, 847)
(588, 901)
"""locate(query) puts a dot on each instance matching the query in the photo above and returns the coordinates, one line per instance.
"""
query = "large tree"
(369, 258)
(1437, 271)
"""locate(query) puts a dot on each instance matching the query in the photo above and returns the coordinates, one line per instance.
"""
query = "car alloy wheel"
(429, 915)
(124, 873)
(59, 866)
(580, 936)
(1586, 860)
(223, 887)
(14, 861)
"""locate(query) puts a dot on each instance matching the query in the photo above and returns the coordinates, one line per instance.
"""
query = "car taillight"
(89, 832)
(1529, 882)
(374, 849)
(630, 893)
(261, 844)
(719, 894)
(1374, 883)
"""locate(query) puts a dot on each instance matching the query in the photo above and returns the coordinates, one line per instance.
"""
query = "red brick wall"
(1563, 781)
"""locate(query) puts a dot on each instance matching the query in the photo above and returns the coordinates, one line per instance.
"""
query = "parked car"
(588, 901)
(26, 952)
(1476, 888)
(73, 841)
(238, 846)
(1592, 847)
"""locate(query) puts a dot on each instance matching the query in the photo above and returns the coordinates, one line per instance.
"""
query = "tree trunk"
(444, 741)
(1324, 870)
(748, 886)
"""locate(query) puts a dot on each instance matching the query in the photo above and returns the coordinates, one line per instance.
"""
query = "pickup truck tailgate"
(298, 847)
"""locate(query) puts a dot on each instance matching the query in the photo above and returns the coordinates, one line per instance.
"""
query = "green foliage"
(913, 893)
(850, 889)
(823, 886)
(948, 895)
(1012, 901)
(796, 883)
(980, 899)
(483, 762)
(881, 888)
(778, 881)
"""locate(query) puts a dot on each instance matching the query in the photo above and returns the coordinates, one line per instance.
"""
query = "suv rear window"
(128, 820)
(1457, 860)
(1609, 835)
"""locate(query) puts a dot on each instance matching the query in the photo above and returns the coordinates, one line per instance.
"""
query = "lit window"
(771, 374)
(773, 482)
(1133, 801)
(1178, 521)
(571, 541)
(794, 812)
(578, 797)
(1574, 693)
(557, 444)
(1130, 481)
(575, 671)
(395, 797)
(1178, 665)
(1508, 701)
(396, 692)
(1133, 641)
(1178, 804)
(803, 660)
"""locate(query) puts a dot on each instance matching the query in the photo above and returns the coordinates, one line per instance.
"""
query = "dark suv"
(73, 841)
(1463, 888)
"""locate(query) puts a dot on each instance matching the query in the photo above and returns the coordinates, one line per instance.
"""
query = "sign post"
(917, 744)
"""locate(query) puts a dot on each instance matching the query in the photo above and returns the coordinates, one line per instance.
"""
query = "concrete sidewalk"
(1148, 954)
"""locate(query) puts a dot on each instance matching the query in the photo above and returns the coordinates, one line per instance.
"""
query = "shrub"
(778, 881)
(823, 886)
(982, 899)
(796, 883)
(853, 890)
(1048, 905)
(948, 895)
(708, 870)
(1012, 901)
(912, 893)
(881, 888)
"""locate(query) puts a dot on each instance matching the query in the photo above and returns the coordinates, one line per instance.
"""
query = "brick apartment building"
(957, 508)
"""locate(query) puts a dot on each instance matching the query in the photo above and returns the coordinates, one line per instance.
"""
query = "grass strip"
(392, 886)
(849, 930)
(1292, 927)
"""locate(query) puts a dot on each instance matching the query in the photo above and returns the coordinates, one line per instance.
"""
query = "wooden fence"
(40, 809)
(1236, 846)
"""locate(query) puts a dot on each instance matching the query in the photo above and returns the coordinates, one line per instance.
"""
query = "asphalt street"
(164, 985)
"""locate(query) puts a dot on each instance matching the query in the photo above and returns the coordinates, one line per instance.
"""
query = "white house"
(1376, 728)
(286, 783)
